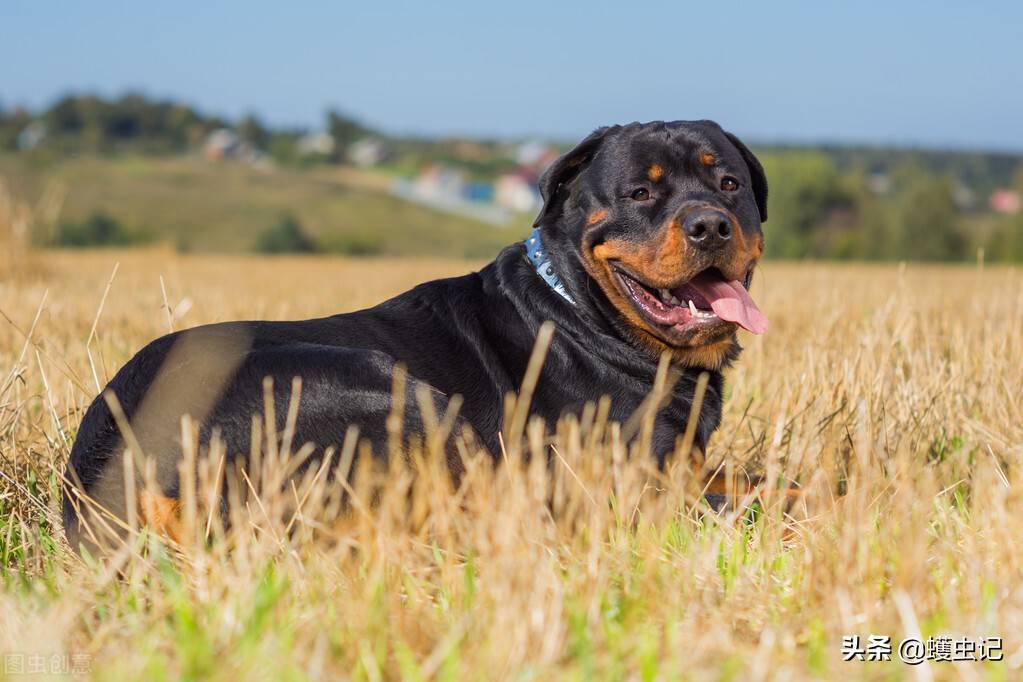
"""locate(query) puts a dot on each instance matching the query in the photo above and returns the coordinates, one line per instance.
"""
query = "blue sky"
(909, 73)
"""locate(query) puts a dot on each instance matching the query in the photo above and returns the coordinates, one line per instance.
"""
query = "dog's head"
(656, 228)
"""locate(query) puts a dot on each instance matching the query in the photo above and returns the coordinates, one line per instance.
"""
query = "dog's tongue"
(730, 301)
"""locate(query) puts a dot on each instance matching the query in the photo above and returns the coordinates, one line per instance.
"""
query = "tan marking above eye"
(655, 172)
(596, 216)
(707, 159)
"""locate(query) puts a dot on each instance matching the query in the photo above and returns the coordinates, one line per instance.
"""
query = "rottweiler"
(645, 245)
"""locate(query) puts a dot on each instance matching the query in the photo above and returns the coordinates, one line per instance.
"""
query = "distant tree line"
(97, 229)
(135, 123)
(87, 123)
(903, 211)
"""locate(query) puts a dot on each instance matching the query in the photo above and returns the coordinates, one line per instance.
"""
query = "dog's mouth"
(707, 300)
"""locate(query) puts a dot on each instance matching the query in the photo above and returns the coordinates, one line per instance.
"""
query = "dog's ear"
(756, 172)
(564, 169)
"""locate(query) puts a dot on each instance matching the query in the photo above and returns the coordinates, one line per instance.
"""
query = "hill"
(201, 206)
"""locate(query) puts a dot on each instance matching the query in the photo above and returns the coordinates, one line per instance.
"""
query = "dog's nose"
(708, 228)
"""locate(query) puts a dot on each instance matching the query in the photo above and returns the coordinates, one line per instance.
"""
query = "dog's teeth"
(692, 308)
(675, 301)
(665, 295)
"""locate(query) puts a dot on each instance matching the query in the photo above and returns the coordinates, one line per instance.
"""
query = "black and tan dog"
(646, 244)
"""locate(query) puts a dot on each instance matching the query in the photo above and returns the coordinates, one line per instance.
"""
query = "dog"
(645, 245)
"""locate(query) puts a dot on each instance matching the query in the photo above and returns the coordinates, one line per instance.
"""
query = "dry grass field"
(892, 395)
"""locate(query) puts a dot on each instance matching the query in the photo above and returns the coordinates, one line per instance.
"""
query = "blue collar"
(542, 262)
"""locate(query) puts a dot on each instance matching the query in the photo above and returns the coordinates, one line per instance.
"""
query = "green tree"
(65, 116)
(807, 193)
(927, 221)
(12, 123)
(252, 130)
(283, 147)
(345, 131)
(287, 236)
(98, 229)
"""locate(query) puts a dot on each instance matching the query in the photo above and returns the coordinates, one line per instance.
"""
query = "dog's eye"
(729, 184)
(641, 194)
